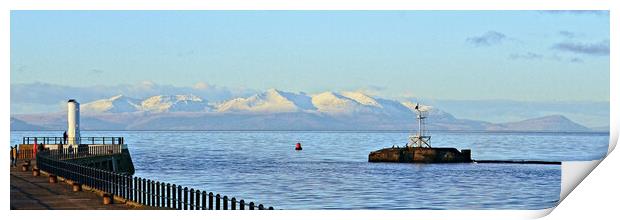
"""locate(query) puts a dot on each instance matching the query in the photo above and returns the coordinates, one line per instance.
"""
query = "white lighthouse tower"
(73, 120)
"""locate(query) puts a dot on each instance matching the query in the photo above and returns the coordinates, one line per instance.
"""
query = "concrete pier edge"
(99, 193)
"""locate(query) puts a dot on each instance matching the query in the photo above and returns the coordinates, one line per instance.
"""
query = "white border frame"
(313, 5)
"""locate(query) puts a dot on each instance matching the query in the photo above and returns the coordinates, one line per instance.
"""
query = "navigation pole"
(421, 138)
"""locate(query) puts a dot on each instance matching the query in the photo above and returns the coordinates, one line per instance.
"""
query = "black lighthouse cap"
(71, 100)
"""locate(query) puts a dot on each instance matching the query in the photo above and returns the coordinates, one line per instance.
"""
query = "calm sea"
(332, 171)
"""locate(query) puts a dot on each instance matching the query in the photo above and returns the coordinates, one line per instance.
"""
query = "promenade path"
(35, 193)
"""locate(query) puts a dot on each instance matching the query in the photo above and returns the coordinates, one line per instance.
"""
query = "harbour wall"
(420, 155)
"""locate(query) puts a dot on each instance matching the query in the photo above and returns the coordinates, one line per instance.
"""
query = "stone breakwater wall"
(420, 155)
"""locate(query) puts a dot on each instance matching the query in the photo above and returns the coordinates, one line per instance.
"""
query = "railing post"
(99, 174)
(162, 194)
(241, 205)
(80, 174)
(110, 183)
(191, 199)
(185, 198)
(204, 200)
(225, 200)
(179, 191)
(142, 191)
(115, 190)
(138, 189)
(149, 191)
(210, 201)
(144, 200)
(131, 188)
(108, 178)
(158, 194)
(261, 207)
(125, 186)
(167, 195)
(152, 192)
(251, 205)
(174, 196)
(104, 180)
(92, 177)
(121, 185)
(77, 174)
(233, 204)
(197, 202)
(115, 184)
(217, 201)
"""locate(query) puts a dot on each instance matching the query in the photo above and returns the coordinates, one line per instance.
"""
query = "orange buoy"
(298, 146)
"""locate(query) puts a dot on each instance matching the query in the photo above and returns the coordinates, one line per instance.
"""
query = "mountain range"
(272, 110)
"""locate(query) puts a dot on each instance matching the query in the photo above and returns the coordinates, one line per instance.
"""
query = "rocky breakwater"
(420, 155)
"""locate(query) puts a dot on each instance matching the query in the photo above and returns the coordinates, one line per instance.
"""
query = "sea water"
(332, 172)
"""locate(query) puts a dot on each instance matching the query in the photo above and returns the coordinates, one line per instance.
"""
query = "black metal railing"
(80, 152)
(83, 140)
(139, 190)
(76, 152)
(23, 153)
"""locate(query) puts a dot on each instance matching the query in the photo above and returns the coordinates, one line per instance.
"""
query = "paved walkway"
(30, 192)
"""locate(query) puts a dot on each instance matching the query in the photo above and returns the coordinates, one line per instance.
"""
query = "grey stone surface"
(35, 193)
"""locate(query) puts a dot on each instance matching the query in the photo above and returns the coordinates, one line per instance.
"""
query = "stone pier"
(30, 192)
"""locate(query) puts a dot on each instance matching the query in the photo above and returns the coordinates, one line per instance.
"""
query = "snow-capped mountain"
(154, 104)
(334, 103)
(268, 102)
(116, 104)
(271, 101)
(358, 102)
(276, 110)
(176, 103)
(330, 103)
(362, 99)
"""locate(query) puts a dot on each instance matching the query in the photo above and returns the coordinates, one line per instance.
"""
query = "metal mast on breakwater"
(422, 138)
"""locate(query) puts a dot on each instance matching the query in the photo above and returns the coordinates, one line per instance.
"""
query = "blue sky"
(457, 55)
